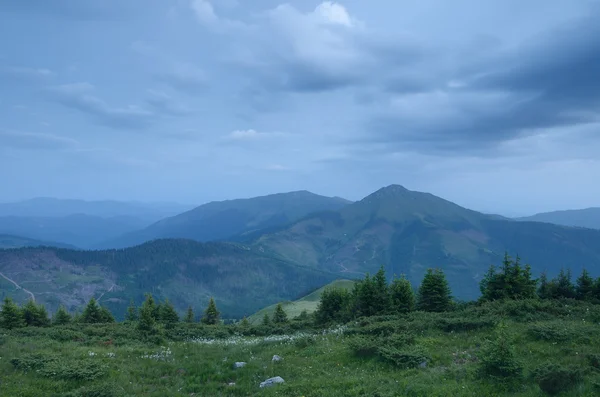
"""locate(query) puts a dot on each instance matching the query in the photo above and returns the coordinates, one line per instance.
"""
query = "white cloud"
(205, 12)
(334, 13)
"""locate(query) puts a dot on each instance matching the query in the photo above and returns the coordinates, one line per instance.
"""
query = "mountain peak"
(390, 191)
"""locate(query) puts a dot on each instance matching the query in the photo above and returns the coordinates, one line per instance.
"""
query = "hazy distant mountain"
(222, 220)
(79, 230)
(405, 231)
(408, 232)
(53, 207)
(187, 272)
(589, 217)
(8, 241)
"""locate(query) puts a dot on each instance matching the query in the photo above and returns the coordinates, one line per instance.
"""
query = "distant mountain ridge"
(7, 242)
(223, 220)
(588, 217)
(281, 257)
(54, 207)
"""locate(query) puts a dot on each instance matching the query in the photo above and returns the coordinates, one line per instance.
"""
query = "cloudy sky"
(494, 105)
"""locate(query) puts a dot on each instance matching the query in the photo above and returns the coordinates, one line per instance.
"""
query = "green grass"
(309, 302)
(110, 360)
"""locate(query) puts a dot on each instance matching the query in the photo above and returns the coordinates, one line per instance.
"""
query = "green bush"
(498, 359)
(411, 357)
(32, 361)
(364, 346)
(553, 378)
(550, 333)
(52, 366)
(78, 370)
(594, 360)
(66, 335)
(305, 341)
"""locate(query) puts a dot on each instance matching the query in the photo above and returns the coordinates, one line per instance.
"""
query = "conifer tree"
(146, 322)
(189, 315)
(61, 317)
(562, 287)
(266, 321)
(245, 324)
(35, 315)
(168, 314)
(132, 312)
(434, 292)
(106, 316)
(11, 316)
(92, 314)
(280, 316)
(584, 289)
(402, 295)
(544, 290)
(332, 306)
(303, 316)
(211, 314)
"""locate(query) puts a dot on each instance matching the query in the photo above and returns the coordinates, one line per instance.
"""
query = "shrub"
(364, 346)
(554, 378)
(498, 358)
(78, 370)
(551, 333)
(305, 341)
(32, 361)
(594, 360)
(411, 357)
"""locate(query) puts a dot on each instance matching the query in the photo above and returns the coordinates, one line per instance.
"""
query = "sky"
(493, 105)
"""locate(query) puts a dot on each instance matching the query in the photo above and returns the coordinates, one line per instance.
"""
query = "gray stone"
(423, 364)
(239, 364)
(272, 381)
(277, 358)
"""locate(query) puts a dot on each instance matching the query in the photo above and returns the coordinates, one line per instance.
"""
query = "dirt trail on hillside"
(18, 286)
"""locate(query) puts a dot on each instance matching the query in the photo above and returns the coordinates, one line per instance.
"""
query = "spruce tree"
(280, 316)
(333, 305)
(146, 322)
(434, 292)
(11, 316)
(35, 315)
(266, 321)
(92, 314)
(245, 324)
(584, 289)
(211, 314)
(106, 316)
(562, 287)
(544, 289)
(189, 315)
(168, 314)
(132, 312)
(402, 295)
(61, 317)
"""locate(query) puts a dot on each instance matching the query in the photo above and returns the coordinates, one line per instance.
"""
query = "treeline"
(511, 281)
(149, 317)
(370, 296)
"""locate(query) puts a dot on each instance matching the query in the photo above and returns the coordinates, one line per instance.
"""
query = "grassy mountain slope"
(309, 302)
(187, 272)
(10, 241)
(408, 232)
(589, 217)
(225, 219)
(78, 230)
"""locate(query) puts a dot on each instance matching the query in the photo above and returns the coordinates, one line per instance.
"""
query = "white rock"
(277, 358)
(239, 364)
(272, 381)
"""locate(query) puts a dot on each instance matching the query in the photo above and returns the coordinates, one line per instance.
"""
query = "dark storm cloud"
(553, 81)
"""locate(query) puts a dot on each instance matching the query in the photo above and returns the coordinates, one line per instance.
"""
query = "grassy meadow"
(556, 345)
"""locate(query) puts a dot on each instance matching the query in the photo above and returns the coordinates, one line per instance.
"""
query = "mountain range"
(283, 246)
(588, 217)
